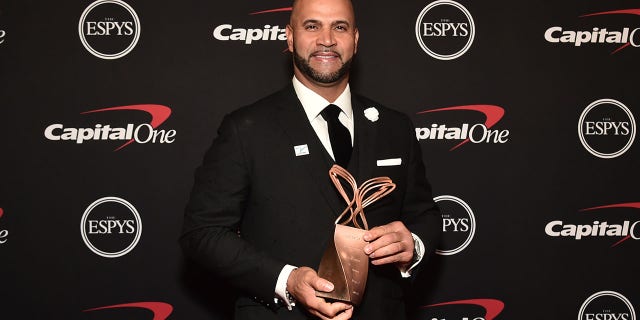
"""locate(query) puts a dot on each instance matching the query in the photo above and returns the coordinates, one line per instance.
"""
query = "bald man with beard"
(262, 212)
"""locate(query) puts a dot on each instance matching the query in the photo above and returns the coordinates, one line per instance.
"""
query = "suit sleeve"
(420, 213)
(211, 232)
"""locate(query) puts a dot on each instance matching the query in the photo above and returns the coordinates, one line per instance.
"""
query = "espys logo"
(607, 305)
(445, 29)
(4, 234)
(227, 32)
(142, 133)
(607, 128)
(160, 310)
(111, 227)
(466, 132)
(598, 35)
(109, 29)
(597, 228)
(464, 310)
(458, 225)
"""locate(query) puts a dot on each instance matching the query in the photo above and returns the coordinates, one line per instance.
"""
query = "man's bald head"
(297, 4)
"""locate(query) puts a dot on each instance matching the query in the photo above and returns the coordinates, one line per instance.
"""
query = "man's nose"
(326, 38)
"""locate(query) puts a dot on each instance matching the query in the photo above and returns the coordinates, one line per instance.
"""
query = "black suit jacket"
(256, 205)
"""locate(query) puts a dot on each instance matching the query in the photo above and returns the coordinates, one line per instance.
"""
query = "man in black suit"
(262, 208)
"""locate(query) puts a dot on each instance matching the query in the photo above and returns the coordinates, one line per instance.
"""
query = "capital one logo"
(607, 305)
(458, 224)
(476, 133)
(464, 310)
(249, 35)
(109, 29)
(2, 35)
(625, 230)
(160, 310)
(130, 133)
(607, 128)
(445, 29)
(598, 35)
(111, 227)
(4, 234)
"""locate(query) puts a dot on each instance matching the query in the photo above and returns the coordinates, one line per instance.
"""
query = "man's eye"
(311, 27)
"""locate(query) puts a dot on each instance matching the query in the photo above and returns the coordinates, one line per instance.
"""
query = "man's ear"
(355, 45)
(289, 32)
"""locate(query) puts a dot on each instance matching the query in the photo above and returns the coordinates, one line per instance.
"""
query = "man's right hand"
(302, 285)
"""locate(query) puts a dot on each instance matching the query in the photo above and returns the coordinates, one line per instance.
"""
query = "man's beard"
(317, 76)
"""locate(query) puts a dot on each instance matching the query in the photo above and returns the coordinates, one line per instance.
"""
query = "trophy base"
(345, 264)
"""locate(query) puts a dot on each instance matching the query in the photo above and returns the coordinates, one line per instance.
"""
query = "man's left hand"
(390, 243)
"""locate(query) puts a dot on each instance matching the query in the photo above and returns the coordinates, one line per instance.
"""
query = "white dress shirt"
(313, 104)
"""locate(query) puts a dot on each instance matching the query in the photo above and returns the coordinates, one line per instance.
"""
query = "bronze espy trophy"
(344, 262)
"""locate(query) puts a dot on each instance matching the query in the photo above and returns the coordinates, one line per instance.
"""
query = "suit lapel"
(364, 148)
(295, 124)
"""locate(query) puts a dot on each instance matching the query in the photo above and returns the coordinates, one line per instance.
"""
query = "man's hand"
(390, 243)
(302, 284)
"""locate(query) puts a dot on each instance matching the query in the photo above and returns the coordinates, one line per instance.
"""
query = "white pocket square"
(389, 162)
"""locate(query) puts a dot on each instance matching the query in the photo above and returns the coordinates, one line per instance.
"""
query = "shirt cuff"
(281, 287)
(418, 253)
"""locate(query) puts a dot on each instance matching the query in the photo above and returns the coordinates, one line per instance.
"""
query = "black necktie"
(338, 135)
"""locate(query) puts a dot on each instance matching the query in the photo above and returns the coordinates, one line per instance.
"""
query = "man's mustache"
(326, 50)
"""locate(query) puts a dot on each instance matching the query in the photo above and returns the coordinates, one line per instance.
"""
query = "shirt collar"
(313, 103)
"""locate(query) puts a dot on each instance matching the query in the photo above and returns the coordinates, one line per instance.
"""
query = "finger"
(384, 241)
(389, 250)
(321, 284)
(311, 278)
(375, 233)
(387, 260)
(330, 310)
(346, 314)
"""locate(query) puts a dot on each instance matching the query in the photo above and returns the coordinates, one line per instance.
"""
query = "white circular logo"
(606, 128)
(107, 225)
(109, 29)
(458, 226)
(607, 305)
(445, 29)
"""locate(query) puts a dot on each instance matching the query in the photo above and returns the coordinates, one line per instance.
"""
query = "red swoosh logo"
(285, 9)
(159, 114)
(161, 310)
(492, 307)
(273, 10)
(492, 113)
(635, 205)
(635, 12)
(625, 11)
(1, 212)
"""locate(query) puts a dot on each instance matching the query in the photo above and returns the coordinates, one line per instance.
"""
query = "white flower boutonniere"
(372, 114)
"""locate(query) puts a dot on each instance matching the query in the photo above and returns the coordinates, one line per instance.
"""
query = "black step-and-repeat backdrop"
(525, 113)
